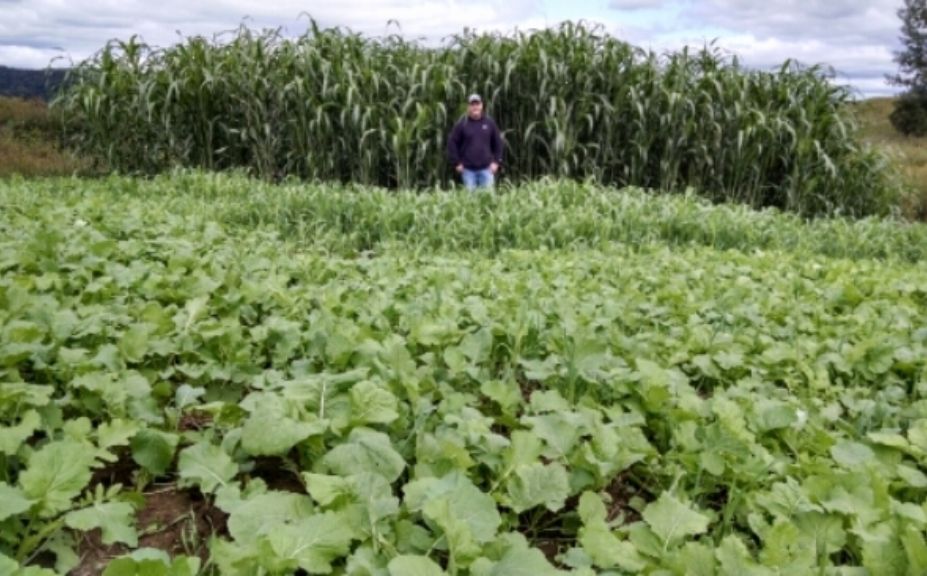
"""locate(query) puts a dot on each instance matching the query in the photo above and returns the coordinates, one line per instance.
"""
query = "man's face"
(475, 109)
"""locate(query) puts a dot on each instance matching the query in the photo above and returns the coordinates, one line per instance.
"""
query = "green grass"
(908, 153)
(542, 215)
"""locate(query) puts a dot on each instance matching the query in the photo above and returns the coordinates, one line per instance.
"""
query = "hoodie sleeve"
(453, 144)
(496, 143)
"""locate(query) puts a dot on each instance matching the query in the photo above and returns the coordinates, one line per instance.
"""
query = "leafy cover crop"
(348, 220)
(610, 410)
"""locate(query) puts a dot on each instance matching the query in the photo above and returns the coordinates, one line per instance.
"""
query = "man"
(475, 146)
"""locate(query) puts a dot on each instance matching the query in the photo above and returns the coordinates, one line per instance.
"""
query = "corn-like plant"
(572, 102)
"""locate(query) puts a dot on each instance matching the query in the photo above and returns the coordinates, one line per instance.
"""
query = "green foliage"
(671, 520)
(206, 466)
(149, 562)
(56, 474)
(912, 59)
(659, 407)
(910, 114)
(573, 102)
(348, 220)
(413, 566)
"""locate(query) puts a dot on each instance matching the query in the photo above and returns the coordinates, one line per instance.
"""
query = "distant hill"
(29, 83)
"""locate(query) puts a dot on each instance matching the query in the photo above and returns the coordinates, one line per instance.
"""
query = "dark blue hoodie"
(475, 143)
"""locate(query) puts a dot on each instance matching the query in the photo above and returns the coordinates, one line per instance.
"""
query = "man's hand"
(494, 167)
(459, 168)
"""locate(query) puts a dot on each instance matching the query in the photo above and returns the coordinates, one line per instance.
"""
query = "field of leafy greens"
(321, 387)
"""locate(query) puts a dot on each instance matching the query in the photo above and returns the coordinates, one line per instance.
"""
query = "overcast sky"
(856, 37)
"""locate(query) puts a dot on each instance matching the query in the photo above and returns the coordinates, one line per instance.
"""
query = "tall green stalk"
(572, 102)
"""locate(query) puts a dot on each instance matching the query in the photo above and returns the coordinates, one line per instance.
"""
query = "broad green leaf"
(115, 389)
(505, 393)
(205, 465)
(889, 439)
(150, 562)
(524, 562)
(915, 548)
(561, 431)
(268, 431)
(735, 559)
(367, 562)
(852, 454)
(56, 474)
(823, 531)
(262, 513)
(773, 415)
(12, 437)
(63, 546)
(466, 514)
(655, 383)
(325, 489)
(35, 571)
(187, 395)
(8, 565)
(912, 513)
(154, 450)
(536, 485)
(134, 342)
(365, 451)
(524, 450)
(671, 520)
(912, 476)
(591, 508)
(466, 504)
(78, 429)
(21, 394)
(117, 432)
(414, 566)
(12, 501)
(885, 555)
(786, 499)
(539, 370)
(785, 547)
(852, 499)
(115, 519)
(312, 543)
(917, 434)
(375, 496)
(695, 559)
(372, 404)
(604, 548)
(608, 551)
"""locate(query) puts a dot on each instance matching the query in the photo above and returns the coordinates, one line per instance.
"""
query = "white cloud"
(28, 57)
(855, 36)
(837, 20)
(82, 27)
(635, 4)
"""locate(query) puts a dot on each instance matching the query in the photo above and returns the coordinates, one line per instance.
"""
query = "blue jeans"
(477, 178)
